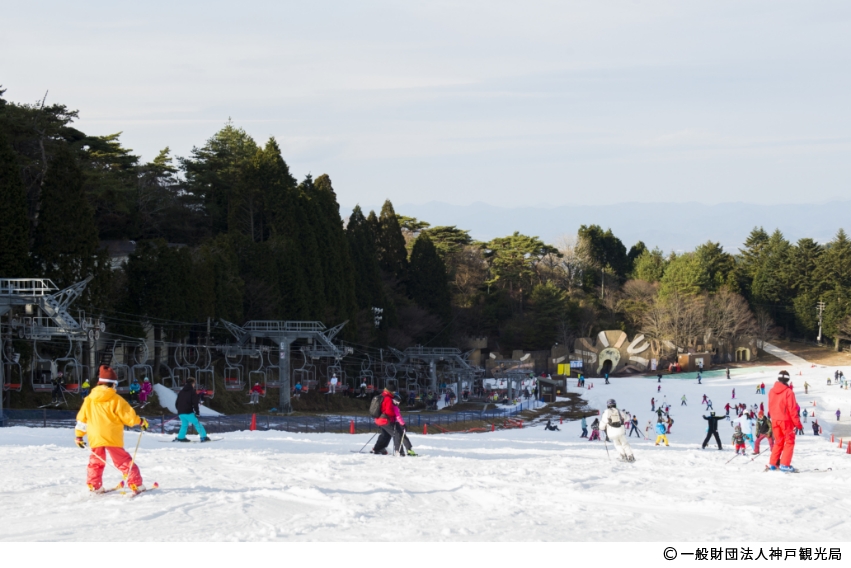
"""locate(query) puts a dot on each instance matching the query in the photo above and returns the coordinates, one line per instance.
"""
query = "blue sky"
(507, 103)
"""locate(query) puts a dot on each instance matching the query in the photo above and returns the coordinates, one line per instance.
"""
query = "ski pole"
(732, 458)
(367, 443)
(133, 460)
(606, 445)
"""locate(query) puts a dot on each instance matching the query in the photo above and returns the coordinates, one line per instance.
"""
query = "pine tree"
(392, 254)
(66, 238)
(14, 226)
(368, 285)
(427, 279)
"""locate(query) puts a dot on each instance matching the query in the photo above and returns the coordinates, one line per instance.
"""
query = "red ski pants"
(784, 442)
(120, 458)
(760, 438)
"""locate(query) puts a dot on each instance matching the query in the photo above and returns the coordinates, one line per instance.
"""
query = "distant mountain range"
(669, 226)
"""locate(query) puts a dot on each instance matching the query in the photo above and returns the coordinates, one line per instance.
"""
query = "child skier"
(683, 401)
(595, 430)
(634, 427)
(102, 418)
(134, 390)
(145, 391)
(584, 426)
(739, 439)
(661, 432)
(762, 429)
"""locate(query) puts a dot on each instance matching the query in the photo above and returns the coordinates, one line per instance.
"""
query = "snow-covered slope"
(508, 485)
(167, 398)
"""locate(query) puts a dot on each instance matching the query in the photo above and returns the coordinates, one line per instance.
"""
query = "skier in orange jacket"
(102, 418)
(782, 407)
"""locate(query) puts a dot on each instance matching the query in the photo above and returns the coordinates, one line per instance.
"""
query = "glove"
(81, 443)
(143, 425)
(197, 415)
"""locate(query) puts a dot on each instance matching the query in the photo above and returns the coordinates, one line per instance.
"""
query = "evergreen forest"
(229, 232)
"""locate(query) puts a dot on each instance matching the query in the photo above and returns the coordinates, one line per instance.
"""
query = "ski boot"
(412, 453)
(788, 469)
(181, 440)
(136, 489)
(98, 490)
(379, 452)
(205, 439)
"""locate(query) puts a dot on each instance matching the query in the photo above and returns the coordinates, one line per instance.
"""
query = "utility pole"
(820, 309)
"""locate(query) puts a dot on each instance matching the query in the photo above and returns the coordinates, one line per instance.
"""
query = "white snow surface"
(511, 485)
(167, 399)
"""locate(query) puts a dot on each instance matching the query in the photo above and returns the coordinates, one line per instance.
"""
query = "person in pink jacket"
(409, 448)
(145, 391)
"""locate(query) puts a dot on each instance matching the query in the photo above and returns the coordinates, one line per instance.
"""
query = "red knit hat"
(107, 375)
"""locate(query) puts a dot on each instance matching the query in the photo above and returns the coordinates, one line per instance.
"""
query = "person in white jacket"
(612, 422)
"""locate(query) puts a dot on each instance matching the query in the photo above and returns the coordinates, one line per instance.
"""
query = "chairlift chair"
(258, 375)
(13, 377)
(233, 370)
(74, 372)
(205, 376)
(42, 371)
(273, 370)
(305, 375)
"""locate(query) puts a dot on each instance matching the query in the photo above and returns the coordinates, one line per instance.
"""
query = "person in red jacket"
(387, 423)
(784, 421)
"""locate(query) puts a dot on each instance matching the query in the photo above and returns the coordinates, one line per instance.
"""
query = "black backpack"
(375, 406)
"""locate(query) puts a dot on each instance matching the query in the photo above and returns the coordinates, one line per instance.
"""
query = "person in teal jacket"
(584, 426)
(134, 390)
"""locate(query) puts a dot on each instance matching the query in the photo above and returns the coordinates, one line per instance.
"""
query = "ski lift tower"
(53, 320)
(284, 334)
(432, 356)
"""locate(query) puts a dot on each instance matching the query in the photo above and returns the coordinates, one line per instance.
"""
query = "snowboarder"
(551, 427)
(661, 432)
(712, 430)
(386, 422)
(595, 430)
(584, 426)
(634, 428)
(763, 432)
(188, 411)
(135, 388)
(255, 392)
(102, 418)
(145, 391)
(781, 408)
(613, 425)
(683, 401)
(738, 439)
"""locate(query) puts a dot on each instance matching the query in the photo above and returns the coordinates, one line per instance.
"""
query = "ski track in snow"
(508, 485)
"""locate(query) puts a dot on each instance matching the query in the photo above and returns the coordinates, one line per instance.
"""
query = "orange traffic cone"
(848, 448)
(253, 422)
(521, 423)
(351, 426)
(831, 438)
(425, 429)
(493, 426)
(840, 442)
(560, 420)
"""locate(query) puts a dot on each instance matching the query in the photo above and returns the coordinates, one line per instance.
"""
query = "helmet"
(611, 403)
(147, 380)
(783, 376)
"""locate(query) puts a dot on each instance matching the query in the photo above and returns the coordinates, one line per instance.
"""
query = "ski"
(800, 470)
(132, 494)
(191, 441)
